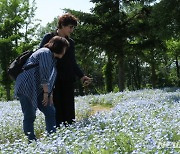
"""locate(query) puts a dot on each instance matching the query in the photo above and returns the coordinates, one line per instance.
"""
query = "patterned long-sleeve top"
(29, 82)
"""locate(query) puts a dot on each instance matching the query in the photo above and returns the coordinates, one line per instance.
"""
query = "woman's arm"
(45, 94)
(45, 67)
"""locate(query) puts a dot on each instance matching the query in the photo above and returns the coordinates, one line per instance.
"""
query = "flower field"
(143, 121)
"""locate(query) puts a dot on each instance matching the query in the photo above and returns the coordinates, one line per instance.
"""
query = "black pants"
(63, 95)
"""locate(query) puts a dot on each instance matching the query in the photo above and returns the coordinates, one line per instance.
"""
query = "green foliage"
(166, 15)
(107, 71)
(16, 31)
(120, 44)
(130, 31)
(2, 94)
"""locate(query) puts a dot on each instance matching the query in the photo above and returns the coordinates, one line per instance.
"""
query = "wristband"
(46, 92)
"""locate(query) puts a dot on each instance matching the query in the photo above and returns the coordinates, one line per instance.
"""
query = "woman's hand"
(45, 99)
(86, 80)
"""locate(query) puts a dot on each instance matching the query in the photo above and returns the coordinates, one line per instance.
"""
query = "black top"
(67, 68)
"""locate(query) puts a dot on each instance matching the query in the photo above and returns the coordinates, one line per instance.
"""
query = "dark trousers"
(63, 95)
(29, 112)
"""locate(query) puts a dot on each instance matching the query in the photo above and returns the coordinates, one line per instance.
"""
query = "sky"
(47, 10)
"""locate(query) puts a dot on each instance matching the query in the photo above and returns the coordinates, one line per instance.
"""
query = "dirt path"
(99, 108)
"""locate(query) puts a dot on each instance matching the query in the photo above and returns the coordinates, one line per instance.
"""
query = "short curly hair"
(67, 19)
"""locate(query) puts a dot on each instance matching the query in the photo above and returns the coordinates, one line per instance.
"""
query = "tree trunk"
(153, 73)
(131, 80)
(121, 72)
(108, 75)
(8, 94)
(177, 70)
(138, 75)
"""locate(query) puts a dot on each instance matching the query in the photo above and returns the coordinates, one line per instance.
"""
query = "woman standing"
(34, 86)
(67, 70)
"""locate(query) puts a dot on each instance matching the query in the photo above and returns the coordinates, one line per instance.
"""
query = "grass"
(143, 121)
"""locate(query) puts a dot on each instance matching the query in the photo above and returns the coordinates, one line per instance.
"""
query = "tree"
(115, 20)
(112, 23)
(16, 17)
(130, 41)
(167, 24)
(173, 54)
(123, 26)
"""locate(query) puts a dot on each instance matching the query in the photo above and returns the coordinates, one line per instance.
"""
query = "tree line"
(121, 44)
